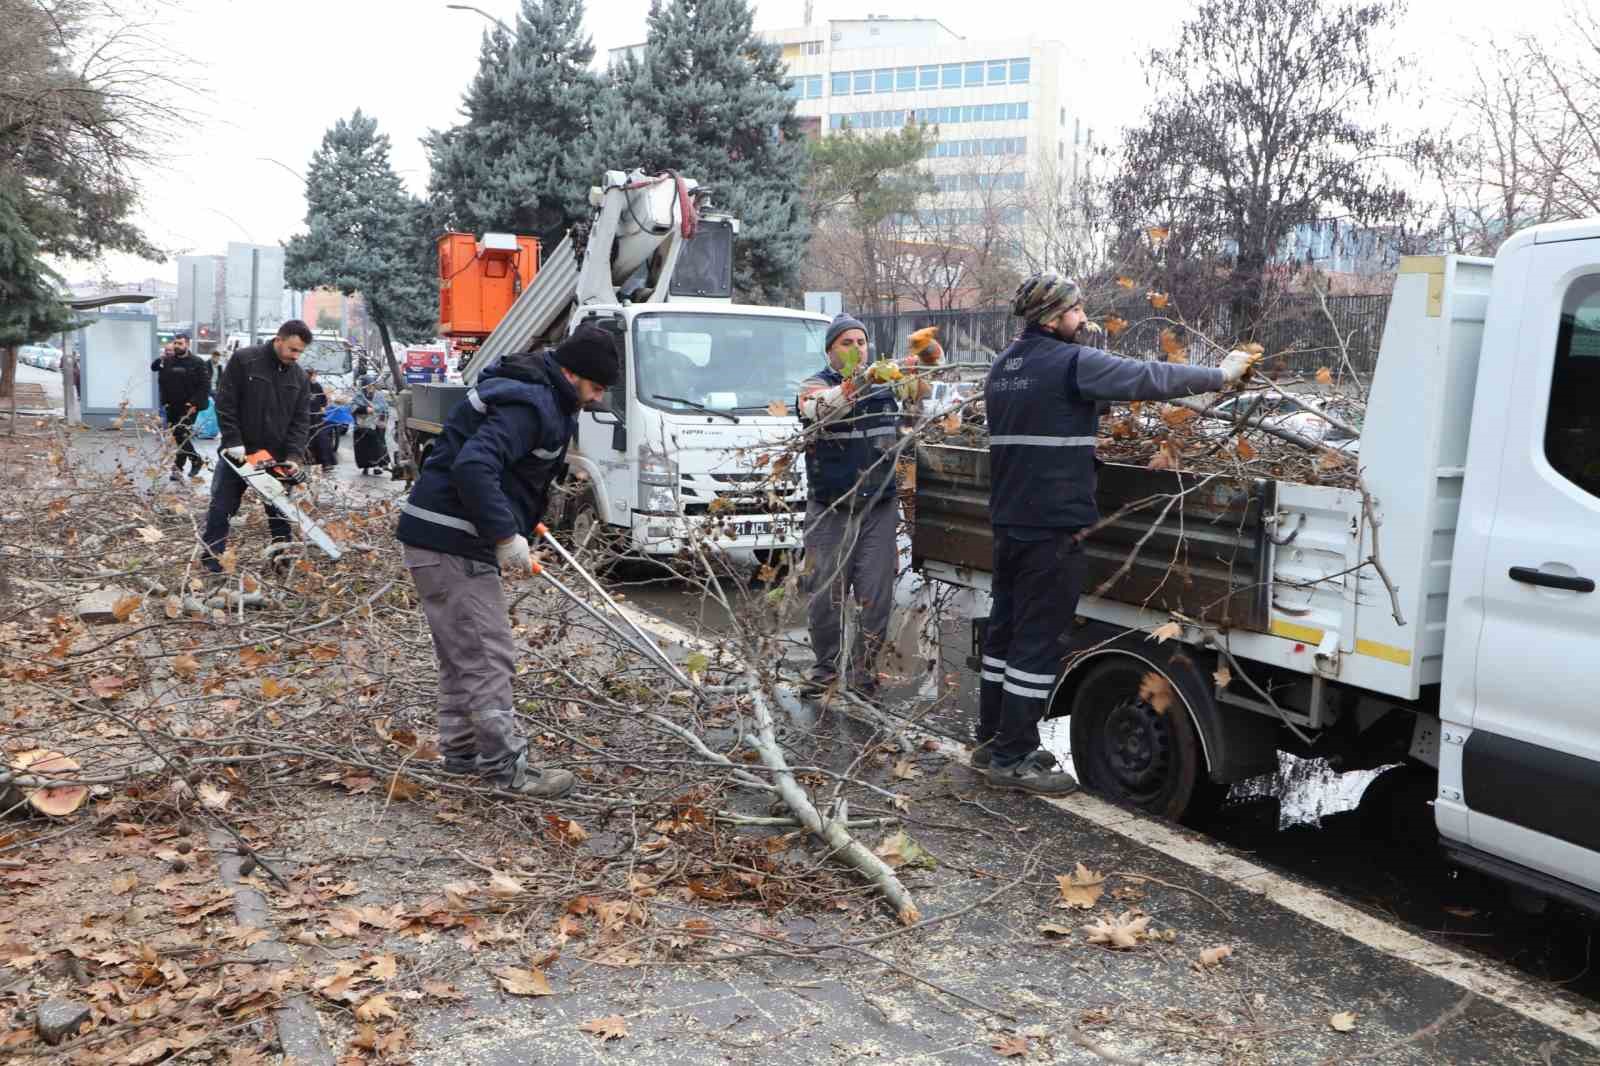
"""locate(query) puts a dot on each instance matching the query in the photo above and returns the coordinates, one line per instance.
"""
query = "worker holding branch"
(1042, 399)
(477, 500)
(850, 410)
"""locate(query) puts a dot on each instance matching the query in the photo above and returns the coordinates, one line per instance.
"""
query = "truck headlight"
(658, 481)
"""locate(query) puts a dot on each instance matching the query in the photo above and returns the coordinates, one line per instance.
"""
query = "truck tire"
(1397, 807)
(589, 538)
(1140, 747)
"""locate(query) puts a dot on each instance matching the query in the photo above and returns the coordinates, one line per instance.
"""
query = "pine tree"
(365, 233)
(31, 306)
(713, 98)
(510, 166)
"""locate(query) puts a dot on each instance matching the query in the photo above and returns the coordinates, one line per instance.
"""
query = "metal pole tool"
(544, 532)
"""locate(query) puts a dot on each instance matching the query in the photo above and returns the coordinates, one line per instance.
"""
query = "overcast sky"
(277, 73)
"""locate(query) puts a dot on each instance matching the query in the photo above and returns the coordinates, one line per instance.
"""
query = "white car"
(948, 395)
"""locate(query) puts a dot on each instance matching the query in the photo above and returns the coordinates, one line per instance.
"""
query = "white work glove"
(1237, 365)
(289, 467)
(513, 556)
(235, 453)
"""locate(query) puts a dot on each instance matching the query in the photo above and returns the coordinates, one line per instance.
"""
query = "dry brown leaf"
(1344, 1021)
(1122, 932)
(1115, 324)
(270, 689)
(523, 982)
(1157, 233)
(905, 770)
(502, 886)
(951, 422)
(228, 560)
(150, 534)
(1166, 631)
(124, 883)
(1156, 690)
(442, 990)
(1011, 1047)
(1222, 676)
(1244, 450)
(1176, 416)
(375, 1008)
(172, 606)
(1174, 348)
(213, 797)
(1158, 300)
(1081, 888)
(1124, 281)
(106, 686)
(611, 1027)
(778, 409)
(383, 968)
(1324, 376)
(186, 665)
(1213, 956)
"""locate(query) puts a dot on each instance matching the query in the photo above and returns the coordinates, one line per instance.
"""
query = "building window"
(793, 89)
(863, 81)
(927, 77)
(1019, 72)
(997, 72)
(884, 81)
(836, 122)
(1022, 109)
(813, 86)
(974, 74)
(950, 76)
(840, 83)
(811, 48)
(905, 78)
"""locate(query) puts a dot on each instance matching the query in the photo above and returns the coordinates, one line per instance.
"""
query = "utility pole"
(255, 285)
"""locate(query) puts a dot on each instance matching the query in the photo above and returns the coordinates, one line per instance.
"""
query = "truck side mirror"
(619, 438)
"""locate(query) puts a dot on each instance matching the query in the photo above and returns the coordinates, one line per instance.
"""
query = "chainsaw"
(275, 481)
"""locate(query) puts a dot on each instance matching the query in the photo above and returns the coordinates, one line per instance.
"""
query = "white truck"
(1473, 667)
(676, 454)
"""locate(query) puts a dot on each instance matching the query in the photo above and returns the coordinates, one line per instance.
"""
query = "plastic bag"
(205, 423)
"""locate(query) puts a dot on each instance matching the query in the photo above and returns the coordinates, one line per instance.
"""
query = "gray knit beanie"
(841, 322)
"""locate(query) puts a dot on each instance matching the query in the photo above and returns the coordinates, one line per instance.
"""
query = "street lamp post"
(485, 14)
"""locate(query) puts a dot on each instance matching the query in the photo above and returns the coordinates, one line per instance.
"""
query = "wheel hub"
(1137, 746)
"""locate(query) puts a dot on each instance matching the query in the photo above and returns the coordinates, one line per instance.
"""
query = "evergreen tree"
(713, 98)
(31, 306)
(365, 233)
(510, 166)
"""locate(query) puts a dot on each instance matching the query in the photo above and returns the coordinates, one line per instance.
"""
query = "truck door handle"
(1529, 575)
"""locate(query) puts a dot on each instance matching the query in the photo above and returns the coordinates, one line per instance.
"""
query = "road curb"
(299, 1028)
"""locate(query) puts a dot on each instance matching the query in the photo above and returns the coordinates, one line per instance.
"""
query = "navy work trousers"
(1034, 595)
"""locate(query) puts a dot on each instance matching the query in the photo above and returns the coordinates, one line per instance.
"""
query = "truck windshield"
(723, 362)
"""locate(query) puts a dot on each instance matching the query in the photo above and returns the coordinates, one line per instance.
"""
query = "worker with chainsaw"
(1042, 398)
(466, 525)
(184, 384)
(263, 405)
(849, 411)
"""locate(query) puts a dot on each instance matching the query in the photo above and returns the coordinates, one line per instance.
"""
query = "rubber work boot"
(462, 766)
(981, 756)
(536, 782)
(1029, 776)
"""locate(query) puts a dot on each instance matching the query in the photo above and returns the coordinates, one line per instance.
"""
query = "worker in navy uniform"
(1042, 399)
(479, 497)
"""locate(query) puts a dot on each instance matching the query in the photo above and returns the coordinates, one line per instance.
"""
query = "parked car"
(948, 395)
(43, 356)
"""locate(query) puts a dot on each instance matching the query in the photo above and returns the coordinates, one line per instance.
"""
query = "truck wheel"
(591, 540)
(1134, 742)
(1397, 807)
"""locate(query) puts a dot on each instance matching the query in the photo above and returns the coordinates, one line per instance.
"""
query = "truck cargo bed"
(1204, 553)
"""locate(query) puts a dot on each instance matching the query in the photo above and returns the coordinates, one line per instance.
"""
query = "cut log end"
(57, 801)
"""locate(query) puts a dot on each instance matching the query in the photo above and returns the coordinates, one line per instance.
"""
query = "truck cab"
(676, 453)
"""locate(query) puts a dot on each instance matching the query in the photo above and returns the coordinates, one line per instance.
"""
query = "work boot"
(536, 782)
(814, 688)
(176, 475)
(459, 765)
(1029, 776)
(982, 755)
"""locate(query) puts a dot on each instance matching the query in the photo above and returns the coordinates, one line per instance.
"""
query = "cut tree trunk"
(29, 781)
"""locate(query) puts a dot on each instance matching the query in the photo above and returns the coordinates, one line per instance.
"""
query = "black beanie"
(589, 353)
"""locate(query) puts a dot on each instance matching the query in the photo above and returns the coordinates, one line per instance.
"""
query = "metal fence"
(1298, 334)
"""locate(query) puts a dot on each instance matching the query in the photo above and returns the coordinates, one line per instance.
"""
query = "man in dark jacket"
(264, 404)
(477, 499)
(184, 382)
(1042, 400)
